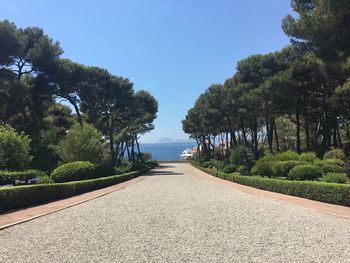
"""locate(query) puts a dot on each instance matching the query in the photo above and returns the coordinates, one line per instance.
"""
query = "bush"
(305, 172)
(331, 168)
(45, 180)
(217, 163)
(309, 157)
(229, 168)
(81, 144)
(287, 156)
(335, 153)
(331, 162)
(104, 170)
(14, 149)
(206, 164)
(241, 169)
(74, 171)
(320, 191)
(241, 155)
(339, 178)
(282, 168)
(22, 196)
(9, 177)
(263, 167)
(146, 156)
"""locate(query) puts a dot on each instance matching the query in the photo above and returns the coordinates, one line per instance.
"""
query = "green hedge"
(74, 171)
(320, 191)
(9, 177)
(22, 196)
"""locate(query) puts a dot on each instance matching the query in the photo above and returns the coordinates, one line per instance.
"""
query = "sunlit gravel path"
(175, 216)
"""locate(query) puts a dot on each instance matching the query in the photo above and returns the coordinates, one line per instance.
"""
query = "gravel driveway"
(175, 216)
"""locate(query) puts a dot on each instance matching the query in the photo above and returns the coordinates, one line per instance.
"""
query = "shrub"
(331, 168)
(74, 171)
(14, 149)
(287, 156)
(45, 180)
(305, 172)
(309, 157)
(241, 169)
(335, 153)
(104, 170)
(282, 168)
(339, 178)
(82, 143)
(36, 173)
(331, 162)
(263, 168)
(241, 155)
(206, 164)
(229, 168)
(146, 156)
(217, 163)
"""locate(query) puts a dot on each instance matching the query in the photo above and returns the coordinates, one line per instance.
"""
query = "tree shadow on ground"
(159, 173)
(165, 166)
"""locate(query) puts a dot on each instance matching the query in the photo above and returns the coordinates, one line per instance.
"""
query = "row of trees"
(35, 79)
(297, 98)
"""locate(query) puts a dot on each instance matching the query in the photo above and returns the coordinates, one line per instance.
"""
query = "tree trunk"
(111, 140)
(276, 136)
(298, 130)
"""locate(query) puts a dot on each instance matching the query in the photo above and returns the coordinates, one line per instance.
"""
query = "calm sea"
(166, 151)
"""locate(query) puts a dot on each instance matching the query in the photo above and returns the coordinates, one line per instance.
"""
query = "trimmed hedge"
(74, 171)
(22, 196)
(339, 178)
(320, 191)
(305, 172)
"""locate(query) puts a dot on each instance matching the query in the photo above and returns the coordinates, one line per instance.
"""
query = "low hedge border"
(332, 193)
(28, 195)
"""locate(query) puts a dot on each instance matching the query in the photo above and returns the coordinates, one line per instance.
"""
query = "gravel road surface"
(173, 215)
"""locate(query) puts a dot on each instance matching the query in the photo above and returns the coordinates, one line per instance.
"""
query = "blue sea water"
(166, 151)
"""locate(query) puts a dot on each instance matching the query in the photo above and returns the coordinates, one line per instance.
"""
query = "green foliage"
(287, 156)
(75, 171)
(331, 162)
(9, 177)
(263, 168)
(335, 154)
(14, 149)
(206, 164)
(335, 177)
(146, 156)
(242, 155)
(305, 172)
(23, 196)
(309, 157)
(320, 191)
(241, 169)
(81, 144)
(229, 168)
(282, 168)
(45, 180)
(104, 171)
(331, 168)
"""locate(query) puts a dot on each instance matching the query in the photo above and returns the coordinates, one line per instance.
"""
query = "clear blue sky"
(173, 48)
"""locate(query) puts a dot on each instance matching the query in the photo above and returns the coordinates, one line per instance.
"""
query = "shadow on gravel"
(158, 173)
(165, 166)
